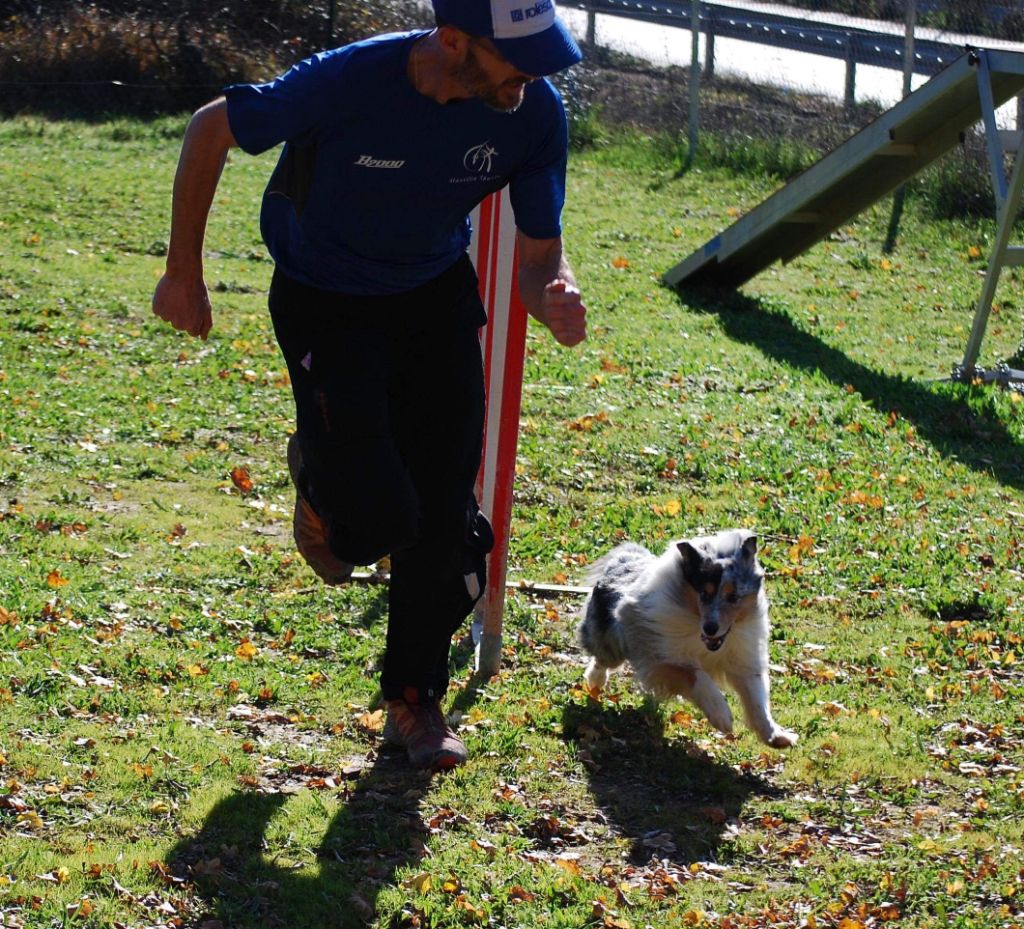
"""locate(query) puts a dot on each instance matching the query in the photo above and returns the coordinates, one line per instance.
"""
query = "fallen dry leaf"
(240, 478)
(56, 579)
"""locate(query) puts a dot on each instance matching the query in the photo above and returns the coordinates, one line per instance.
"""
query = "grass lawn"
(190, 735)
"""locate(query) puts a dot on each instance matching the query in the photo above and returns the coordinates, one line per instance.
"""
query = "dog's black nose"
(710, 628)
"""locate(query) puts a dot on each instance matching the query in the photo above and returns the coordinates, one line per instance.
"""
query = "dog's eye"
(732, 597)
(706, 596)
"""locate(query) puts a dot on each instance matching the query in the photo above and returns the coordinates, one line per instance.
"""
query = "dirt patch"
(627, 92)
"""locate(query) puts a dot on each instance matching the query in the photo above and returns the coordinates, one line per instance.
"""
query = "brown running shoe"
(421, 729)
(309, 529)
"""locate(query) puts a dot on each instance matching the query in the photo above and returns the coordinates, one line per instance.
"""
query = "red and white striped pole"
(503, 340)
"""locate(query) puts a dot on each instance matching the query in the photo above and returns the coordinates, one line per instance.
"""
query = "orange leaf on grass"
(371, 721)
(569, 864)
(240, 478)
(82, 909)
(56, 579)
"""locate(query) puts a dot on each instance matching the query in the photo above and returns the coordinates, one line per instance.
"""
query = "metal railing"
(852, 45)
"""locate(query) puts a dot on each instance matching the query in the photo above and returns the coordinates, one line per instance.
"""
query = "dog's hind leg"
(664, 680)
(596, 676)
(752, 689)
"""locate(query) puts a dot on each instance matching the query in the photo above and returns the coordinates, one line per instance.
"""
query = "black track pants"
(389, 402)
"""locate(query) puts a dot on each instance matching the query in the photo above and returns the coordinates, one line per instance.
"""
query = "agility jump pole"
(503, 343)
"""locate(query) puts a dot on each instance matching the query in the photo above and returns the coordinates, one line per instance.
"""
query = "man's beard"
(498, 97)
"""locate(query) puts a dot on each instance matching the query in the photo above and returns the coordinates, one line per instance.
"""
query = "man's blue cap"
(527, 32)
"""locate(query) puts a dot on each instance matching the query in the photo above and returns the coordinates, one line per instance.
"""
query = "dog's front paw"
(721, 718)
(782, 738)
(709, 698)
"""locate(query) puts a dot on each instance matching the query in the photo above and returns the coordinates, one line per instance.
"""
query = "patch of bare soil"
(624, 91)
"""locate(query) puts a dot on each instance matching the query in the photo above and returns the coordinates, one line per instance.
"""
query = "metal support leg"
(694, 115)
(850, 90)
(988, 118)
(1007, 212)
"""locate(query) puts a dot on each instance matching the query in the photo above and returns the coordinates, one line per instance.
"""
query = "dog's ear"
(694, 562)
(750, 547)
(692, 558)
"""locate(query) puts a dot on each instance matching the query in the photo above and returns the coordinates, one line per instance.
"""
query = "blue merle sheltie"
(686, 621)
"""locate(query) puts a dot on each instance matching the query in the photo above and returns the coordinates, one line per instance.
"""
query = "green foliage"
(766, 157)
(191, 734)
(971, 17)
(959, 185)
(67, 57)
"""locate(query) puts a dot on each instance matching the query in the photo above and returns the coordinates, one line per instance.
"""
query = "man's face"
(486, 74)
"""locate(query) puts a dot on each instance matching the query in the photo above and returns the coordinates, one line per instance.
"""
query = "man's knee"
(376, 532)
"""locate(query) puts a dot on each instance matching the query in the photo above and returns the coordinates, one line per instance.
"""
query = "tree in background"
(167, 55)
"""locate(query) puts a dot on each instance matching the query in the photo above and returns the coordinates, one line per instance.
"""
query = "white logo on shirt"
(478, 158)
(368, 161)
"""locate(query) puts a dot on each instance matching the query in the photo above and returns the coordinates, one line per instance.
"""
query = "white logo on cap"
(529, 12)
(514, 19)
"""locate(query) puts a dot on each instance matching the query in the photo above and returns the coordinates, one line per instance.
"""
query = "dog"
(686, 621)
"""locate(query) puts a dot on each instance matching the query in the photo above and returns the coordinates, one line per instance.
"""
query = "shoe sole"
(332, 578)
(441, 761)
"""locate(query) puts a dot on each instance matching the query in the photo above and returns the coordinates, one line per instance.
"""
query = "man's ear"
(453, 41)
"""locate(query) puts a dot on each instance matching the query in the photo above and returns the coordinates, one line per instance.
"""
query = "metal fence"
(851, 44)
(163, 54)
(809, 49)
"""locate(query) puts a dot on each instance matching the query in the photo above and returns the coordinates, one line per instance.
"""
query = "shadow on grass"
(969, 432)
(668, 798)
(376, 831)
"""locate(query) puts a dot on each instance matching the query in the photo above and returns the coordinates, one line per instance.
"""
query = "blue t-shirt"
(372, 191)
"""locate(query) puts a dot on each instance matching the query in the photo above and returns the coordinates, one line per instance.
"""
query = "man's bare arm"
(548, 289)
(181, 297)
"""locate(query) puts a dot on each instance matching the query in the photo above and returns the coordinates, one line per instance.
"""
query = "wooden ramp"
(871, 164)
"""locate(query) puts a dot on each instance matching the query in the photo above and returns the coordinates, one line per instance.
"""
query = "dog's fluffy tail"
(599, 632)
